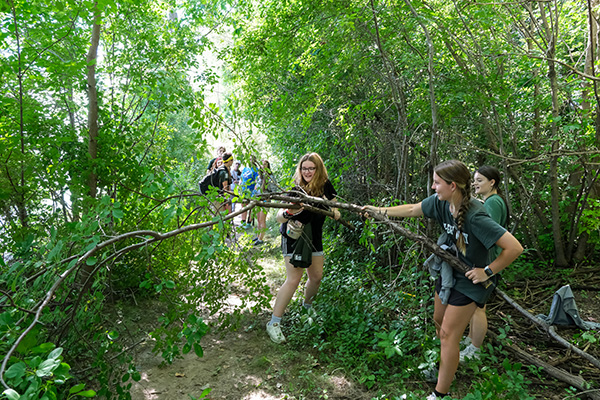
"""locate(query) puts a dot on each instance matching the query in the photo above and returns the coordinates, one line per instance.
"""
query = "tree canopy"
(107, 116)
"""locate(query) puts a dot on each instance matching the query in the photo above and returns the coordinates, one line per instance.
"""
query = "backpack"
(210, 180)
(248, 179)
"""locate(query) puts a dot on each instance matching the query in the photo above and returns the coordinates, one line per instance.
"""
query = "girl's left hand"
(477, 275)
(336, 214)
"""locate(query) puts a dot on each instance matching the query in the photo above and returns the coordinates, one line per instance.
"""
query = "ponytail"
(457, 172)
(461, 245)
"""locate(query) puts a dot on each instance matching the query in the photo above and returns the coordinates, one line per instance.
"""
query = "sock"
(438, 394)
(274, 320)
(306, 305)
(474, 347)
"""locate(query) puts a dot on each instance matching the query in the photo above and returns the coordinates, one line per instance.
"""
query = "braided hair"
(492, 173)
(457, 172)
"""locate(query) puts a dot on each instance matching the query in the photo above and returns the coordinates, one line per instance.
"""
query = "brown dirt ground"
(243, 365)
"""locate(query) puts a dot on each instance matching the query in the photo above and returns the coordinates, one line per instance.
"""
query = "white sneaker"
(274, 331)
(471, 352)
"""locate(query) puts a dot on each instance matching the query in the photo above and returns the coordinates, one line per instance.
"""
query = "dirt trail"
(242, 365)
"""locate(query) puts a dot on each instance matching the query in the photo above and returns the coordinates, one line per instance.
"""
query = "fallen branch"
(550, 330)
(429, 244)
(560, 374)
(453, 261)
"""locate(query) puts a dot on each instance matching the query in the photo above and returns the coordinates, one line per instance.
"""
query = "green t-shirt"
(223, 176)
(481, 233)
(496, 208)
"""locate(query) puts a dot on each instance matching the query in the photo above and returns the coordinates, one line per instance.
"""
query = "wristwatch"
(488, 271)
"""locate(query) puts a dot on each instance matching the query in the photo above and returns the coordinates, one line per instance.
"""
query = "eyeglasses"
(308, 169)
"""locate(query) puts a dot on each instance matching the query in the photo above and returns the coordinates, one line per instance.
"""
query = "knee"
(448, 339)
(292, 281)
(316, 277)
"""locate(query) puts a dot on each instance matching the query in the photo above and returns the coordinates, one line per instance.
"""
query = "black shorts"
(456, 298)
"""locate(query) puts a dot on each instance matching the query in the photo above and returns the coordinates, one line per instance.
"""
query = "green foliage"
(41, 372)
(349, 81)
(375, 328)
(509, 384)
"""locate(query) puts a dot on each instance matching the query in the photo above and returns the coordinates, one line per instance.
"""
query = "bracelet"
(287, 215)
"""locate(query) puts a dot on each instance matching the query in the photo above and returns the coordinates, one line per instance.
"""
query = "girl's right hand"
(295, 211)
(367, 209)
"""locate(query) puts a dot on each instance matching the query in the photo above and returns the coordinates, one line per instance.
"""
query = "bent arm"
(511, 249)
(404, 210)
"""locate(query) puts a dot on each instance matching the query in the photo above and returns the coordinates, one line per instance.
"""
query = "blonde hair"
(317, 183)
(457, 172)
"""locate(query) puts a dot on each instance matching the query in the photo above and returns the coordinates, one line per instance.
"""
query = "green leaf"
(91, 261)
(113, 335)
(43, 348)
(198, 350)
(16, 370)
(29, 341)
(55, 251)
(77, 388)
(87, 393)
(55, 353)
(11, 394)
(46, 368)
(170, 284)
(118, 213)
(61, 374)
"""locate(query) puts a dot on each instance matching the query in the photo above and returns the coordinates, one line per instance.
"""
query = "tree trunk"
(590, 55)
(430, 79)
(551, 36)
(93, 104)
(20, 188)
(85, 276)
(589, 89)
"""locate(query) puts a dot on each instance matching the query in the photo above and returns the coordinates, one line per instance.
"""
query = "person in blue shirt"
(247, 184)
(471, 232)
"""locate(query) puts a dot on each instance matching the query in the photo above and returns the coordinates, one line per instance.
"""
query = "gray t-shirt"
(480, 232)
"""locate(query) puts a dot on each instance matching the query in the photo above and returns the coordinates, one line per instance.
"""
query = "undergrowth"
(373, 319)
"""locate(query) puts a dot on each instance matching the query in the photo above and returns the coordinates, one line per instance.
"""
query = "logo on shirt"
(452, 231)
